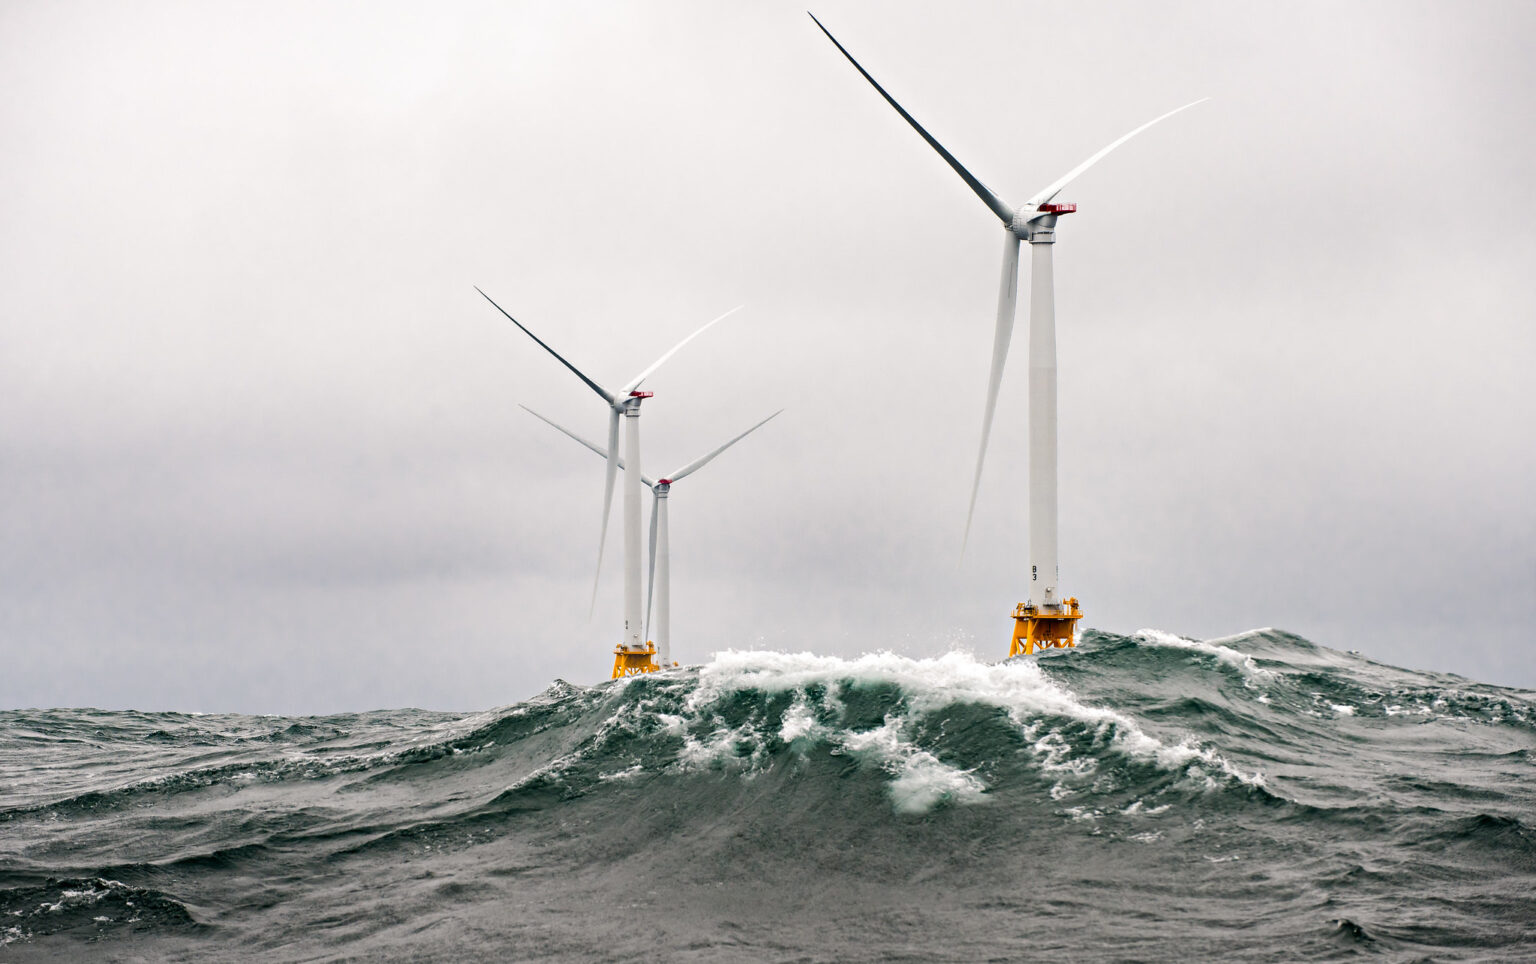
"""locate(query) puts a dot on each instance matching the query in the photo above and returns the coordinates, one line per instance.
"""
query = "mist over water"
(1148, 796)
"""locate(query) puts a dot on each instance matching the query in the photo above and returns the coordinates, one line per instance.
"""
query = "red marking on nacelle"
(1058, 208)
(663, 481)
(641, 394)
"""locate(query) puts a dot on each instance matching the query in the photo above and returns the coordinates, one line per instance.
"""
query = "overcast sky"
(260, 447)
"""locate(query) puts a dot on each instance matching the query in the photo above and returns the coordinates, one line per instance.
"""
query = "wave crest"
(907, 740)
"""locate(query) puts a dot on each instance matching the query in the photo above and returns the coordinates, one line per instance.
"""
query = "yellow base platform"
(1035, 629)
(633, 662)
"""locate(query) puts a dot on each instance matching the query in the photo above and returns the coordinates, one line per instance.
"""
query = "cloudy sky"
(260, 447)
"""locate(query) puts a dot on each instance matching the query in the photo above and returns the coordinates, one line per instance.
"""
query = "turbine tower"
(659, 588)
(633, 653)
(1046, 619)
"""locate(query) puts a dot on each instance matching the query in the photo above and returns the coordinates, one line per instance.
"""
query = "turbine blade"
(704, 460)
(588, 443)
(613, 460)
(650, 582)
(591, 445)
(607, 397)
(1067, 178)
(998, 205)
(1007, 300)
(635, 383)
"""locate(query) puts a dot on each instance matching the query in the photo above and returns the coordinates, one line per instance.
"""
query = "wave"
(829, 707)
(85, 908)
(895, 715)
(1240, 661)
(1138, 757)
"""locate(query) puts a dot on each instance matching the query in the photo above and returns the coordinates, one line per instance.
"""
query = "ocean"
(1141, 798)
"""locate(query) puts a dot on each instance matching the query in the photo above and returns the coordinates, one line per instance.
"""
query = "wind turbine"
(632, 654)
(660, 586)
(1046, 619)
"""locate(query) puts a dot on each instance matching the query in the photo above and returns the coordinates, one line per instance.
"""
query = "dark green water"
(1141, 798)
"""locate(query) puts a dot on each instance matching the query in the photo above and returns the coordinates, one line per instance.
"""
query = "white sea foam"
(928, 684)
(1238, 660)
(800, 723)
(1055, 756)
(629, 773)
(92, 893)
(722, 747)
(920, 779)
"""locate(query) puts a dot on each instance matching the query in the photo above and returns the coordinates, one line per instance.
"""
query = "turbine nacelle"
(1029, 224)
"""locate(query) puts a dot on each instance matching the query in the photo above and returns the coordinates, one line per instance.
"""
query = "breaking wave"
(1150, 760)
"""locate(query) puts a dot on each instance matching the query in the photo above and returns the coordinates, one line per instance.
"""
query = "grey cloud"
(260, 449)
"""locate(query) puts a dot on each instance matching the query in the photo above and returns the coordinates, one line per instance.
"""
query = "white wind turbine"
(632, 653)
(1035, 222)
(659, 588)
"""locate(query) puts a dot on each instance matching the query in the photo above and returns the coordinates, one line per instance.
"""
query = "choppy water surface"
(1144, 797)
